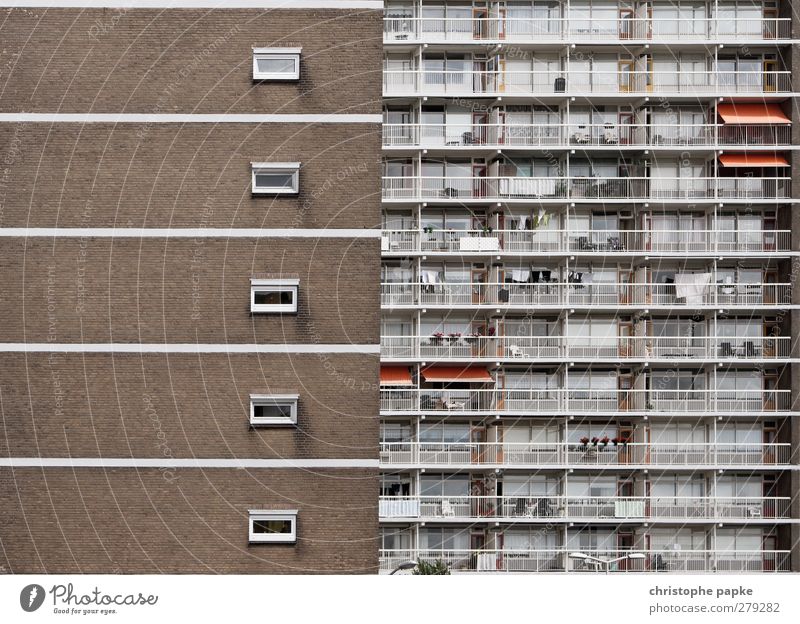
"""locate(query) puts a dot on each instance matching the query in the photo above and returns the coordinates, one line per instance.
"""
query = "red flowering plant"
(584, 440)
(604, 440)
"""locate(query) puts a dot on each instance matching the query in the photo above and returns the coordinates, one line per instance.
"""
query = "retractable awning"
(469, 374)
(752, 114)
(753, 160)
(396, 376)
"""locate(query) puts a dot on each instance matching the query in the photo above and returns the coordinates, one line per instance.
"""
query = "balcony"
(580, 508)
(565, 455)
(558, 560)
(467, 83)
(570, 401)
(551, 30)
(555, 294)
(431, 136)
(494, 189)
(549, 241)
(570, 348)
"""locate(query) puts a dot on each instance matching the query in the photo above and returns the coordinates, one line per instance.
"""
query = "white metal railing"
(584, 507)
(397, 27)
(580, 294)
(558, 560)
(608, 134)
(592, 453)
(513, 347)
(430, 188)
(560, 400)
(610, 241)
(690, 82)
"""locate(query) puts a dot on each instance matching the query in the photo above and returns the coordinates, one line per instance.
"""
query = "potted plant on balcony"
(454, 337)
(584, 442)
(431, 567)
(604, 441)
(472, 338)
(595, 440)
(437, 339)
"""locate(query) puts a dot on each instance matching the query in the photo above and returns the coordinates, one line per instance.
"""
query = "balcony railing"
(553, 29)
(531, 83)
(417, 188)
(585, 295)
(608, 135)
(493, 348)
(584, 507)
(565, 400)
(570, 241)
(563, 454)
(558, 560)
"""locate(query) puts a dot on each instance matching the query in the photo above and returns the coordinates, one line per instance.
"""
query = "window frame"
(292, 168)
(274, 399)
(274, 285)
(270, 514)
(278, 54)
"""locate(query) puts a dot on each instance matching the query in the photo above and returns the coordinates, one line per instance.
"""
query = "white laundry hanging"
(692, 286)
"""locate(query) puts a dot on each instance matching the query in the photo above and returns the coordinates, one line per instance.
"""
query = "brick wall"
(192, 175)
(190, 521)
(187, 61)
(182, 290)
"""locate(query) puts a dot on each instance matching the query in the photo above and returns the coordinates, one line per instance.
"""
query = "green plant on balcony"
(432, 567)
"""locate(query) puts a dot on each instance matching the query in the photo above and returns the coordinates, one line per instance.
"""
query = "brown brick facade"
(180, 405)
(187, 61)
(187, 521)
(188, 175)
(185, 290)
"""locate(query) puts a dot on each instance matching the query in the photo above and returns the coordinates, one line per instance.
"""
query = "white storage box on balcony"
(629, 509)
(398, 509)
(479, 243)
(527, 187)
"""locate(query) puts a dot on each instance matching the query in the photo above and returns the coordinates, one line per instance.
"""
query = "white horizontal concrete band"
(151, 118)
(189, 233)
(168, 462)
(197, 4)
(48, 347)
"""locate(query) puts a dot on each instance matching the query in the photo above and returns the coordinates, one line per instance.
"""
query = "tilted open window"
(276, 63)
(273, 296)
(277, 527)
(273, 409)
(275, 178)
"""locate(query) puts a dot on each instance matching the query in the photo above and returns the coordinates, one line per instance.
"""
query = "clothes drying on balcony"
(429, 277)
(692, 286)
(520, 275)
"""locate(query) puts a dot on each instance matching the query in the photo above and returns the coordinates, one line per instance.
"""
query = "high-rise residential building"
(189, 291)
(589, 325)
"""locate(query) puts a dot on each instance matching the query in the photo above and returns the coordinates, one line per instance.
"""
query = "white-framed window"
(273, 526)
(273, 296)
(275, 178)
(273, 409)
(276, 63)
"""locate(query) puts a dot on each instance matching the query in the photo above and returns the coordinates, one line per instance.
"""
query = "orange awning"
(752, 114)
(753, 160)
(396, 376)
(470, 374)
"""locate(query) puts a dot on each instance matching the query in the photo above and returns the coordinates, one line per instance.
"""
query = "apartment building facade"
(588, 335)
(189, 355)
